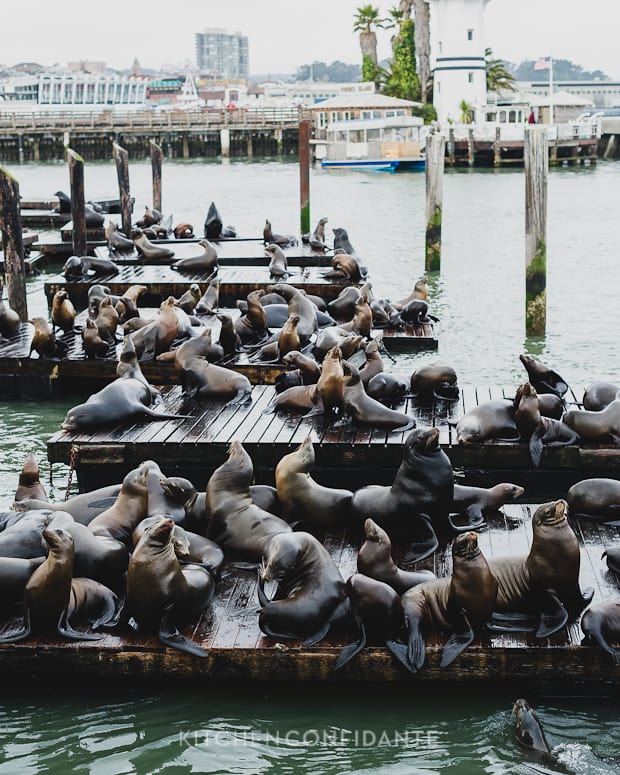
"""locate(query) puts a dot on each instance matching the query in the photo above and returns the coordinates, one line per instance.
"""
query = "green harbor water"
(479, 298)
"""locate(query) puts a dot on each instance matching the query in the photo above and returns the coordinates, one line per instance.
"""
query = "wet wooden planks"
(228, 630)
(162, 281)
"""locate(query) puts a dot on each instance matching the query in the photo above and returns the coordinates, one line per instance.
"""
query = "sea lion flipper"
(170, 636)
(67, 631)
(262, 597)
(350, 651)
(553, 615)
(421, 549)
(399, 651)
(502, 621)
(16, 635)
(416, 647)
(536, 446)
(458, 641)
(318, 636)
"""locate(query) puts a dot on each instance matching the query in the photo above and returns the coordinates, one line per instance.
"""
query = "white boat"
(388, 143)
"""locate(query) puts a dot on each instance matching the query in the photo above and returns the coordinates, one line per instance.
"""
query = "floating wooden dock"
(162, 281)
(346, 455)
(228, 630)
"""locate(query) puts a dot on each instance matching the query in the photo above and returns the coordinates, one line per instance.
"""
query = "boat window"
(491, 116)
(512, 117)
(470, 34)
(470, 77)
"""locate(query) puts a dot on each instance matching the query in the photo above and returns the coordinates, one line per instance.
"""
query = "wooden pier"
(228, 630)
(346, 455)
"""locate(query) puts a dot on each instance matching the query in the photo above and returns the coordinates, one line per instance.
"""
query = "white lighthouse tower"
(457, 57)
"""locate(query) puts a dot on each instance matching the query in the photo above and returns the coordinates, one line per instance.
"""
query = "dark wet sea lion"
(374, 362)
(601, 623)
(596, 498)
(213, 223)
(311, 591)
(236, 523)
(375, 560)
(10, 321)
(343, 306)
(544, 583)
(414, 313)
(117, 241)
(598, 395)
(386, 388)
(156, 337)
(229, 338)
(612, 556)
(460, 604)
(302, 498)
(202, 379)
(94, 346)
(434, 381)
(528, 729)
(544, 379)
(160, 593)
(21, 536)
(480, 502)
(14, 575)
(64, 202)
(603, 426)
(283, 240)
(317, 238)
(63, 312)
(309, 368)
(379, 615)
(342, 242)
(47, 592)
(206, 261)
(44, 341)
(29, 485)
(83, 508)
(294, 399)
(91, 601)
(418, 501)
(334, 336)
(366, 410)
(489, 420)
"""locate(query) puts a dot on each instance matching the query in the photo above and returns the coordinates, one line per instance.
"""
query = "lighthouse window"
(470, 77)
(470, 34)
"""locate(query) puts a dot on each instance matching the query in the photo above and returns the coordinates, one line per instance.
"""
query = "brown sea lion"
(329, 394)
(183, 231)
(188, 301)
(479, 502)
(299, 304)
(311, 591)
(334, 336)
(200, 346)
(375, 560)
(362, 318)
(160, 593)
(434, 381)
(44, 341)
(298, 398)
(236, 523)
(94, 346)
(345, 267)
(302, 498)
(10, 321)
(91, 601)
(366, 410)
(47, 592)
(283, 240)
(542, 378)
(489, 420)
(202, 379)
(205, 261)
(317, 238)
(146, 248)
(63, 312)
(420, 291)
(603, 426)
(29, 485)
(129, 508)
(601, 623)
(252, 327)
(309, 368)
(210, 299)
(107, 320)
(159, 334)
(374, 362)
(461, 604)
(229, 338)
(117, 241)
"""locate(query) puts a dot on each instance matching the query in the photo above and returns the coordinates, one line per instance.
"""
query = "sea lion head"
(465, 546)
(421, 442)
(86, 415)
(160, 532)
(280, 556)
(372, 347)
(59, 541)
(468, 431)
(73, 267)
(508, 491)
(30, 471)
(305, 454)
(179, 489)
(291, 358)
(373, 532)
(552, 514)
(350, 344)
(285, 290)
(421, 288)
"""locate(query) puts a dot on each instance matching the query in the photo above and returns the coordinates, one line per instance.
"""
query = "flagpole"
(550, 90)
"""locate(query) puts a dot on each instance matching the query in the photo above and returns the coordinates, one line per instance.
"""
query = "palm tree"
(498, 78)
(466, 112)
(366, 20)
(422, 17)
(395, 18)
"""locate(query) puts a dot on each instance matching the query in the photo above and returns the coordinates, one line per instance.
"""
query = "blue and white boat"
(388, 143)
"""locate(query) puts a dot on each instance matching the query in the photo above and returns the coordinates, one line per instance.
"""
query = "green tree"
(466, 112)
(393, 21)
(402, 79)
(498, 77)
(366, 21)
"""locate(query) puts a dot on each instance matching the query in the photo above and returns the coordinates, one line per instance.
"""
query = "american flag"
(542, 63)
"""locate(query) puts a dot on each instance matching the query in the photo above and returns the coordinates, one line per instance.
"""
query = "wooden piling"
(156, 159)
(11, 226)
(121, 157)
(76, 180)
(304, 175)
(435, 160)
(536, 160)
(497, 150)
(470, 147)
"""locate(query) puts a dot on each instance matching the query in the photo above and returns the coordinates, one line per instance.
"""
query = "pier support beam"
(20, 146)
(497, 149)
(185, 147)
(279, 135)
(249, 146)
(304, 175)
(37, 149)
(121, 157)
(225, 142)
(610, 148)
(435, 161)
(11, 227)
(156, 158)
(78, 216)
(536, 158)
(451, 147)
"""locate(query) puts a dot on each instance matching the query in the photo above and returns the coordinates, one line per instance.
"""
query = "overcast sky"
(284, 34)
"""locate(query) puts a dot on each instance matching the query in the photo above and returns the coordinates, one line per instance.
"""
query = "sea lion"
(10, 321)
(383, 313)
(347, 268)
(206, 261)
(29, 485)
(374, 362)
(14, 575)
(83, 507)
(434, 381)
(278, 265)
(107, 320)
(94, 346)
(183, 231)
(47, 592)
(362, 318)
(229, 338)
(612, 556)
(146, 248)
(299, 304)
(343, 243)
(88, 267)
(415, 313)
(200, 378)
(375, 560)
(151, 216)
(93, 218)
(252, 327)
(480, 502)
(420, 497)
(317, 238)
(63, 312)
(91, 601)
(420, 291)
(298, 398)
(311, 591)
(44, 341)
(302, 498)
(386, 388)
(334, 336)
(489, 420)
(544, 379)
(343, 306)
(328, 396)
(544, 582)
(528, 729)
(283, 240)
(603, 426)
(156, 337)
(213, 223)
(460, 604)
(188, 300)
(96, 294)
(129, 508)
(601, 623)
(129, 366)
(309, 368)
(64, 202)
(117, 241)
(161, 594)
(366, 410)
(236, 523)
(598, 395)
(595, 498)
(379, 615)
(200, 346)
(210, 299)
(21, 536)
(124, 399)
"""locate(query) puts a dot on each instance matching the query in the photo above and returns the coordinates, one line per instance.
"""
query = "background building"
(222, 53)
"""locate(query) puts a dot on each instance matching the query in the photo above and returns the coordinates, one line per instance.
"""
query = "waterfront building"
(223, 53)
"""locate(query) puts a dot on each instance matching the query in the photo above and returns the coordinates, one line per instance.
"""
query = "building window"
(470, 34)
(470, 77)
(438, 87)
(440, 46)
